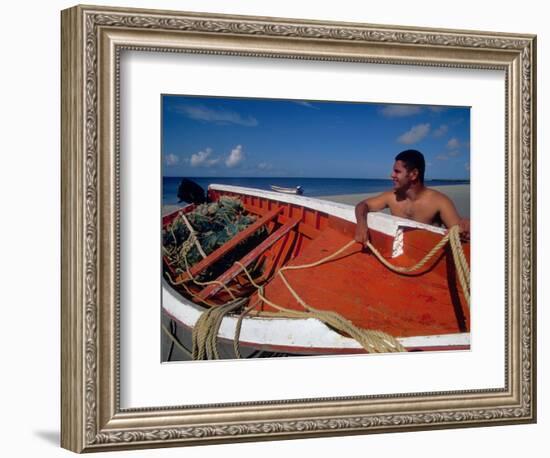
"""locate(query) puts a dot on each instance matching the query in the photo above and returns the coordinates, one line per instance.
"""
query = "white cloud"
(453, 143)
(306, 104)
(236, 156)
(204, 159)
(447, 156)
(171, 159)
(398, 111)
(415, 134)
(265, 166)
(202, 113)
(441, 130)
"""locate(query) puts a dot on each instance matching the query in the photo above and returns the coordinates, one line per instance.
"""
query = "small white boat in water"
(297, 190)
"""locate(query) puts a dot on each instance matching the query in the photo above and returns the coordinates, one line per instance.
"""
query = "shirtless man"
(410, 199)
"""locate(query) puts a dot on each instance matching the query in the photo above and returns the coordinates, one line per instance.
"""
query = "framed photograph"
(275, 224)
(278, 228)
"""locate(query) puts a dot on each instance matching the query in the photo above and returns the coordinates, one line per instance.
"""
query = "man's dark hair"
(413, 159)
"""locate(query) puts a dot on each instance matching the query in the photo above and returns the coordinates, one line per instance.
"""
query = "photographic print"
(308, 227)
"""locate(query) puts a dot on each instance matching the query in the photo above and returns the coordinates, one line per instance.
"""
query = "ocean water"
(313, 187)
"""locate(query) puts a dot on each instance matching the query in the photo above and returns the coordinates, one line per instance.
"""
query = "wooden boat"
(424, 311)
(297, 190)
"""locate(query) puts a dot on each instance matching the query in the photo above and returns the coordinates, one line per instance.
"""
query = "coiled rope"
(206, 329)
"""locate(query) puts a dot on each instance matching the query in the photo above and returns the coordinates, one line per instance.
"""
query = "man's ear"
(413, 174)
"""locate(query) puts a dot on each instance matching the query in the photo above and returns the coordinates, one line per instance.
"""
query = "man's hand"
(361, 228)
(362, 209)
(362, 234)
(464, 225)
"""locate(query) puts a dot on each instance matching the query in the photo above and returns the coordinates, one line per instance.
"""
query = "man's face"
(401, 177)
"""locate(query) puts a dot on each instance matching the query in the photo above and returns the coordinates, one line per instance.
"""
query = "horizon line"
(317, 178)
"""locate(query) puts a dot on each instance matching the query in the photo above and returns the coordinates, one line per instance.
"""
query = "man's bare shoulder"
(437, 198)
(378, 202)
(447, 210)
(389, 194)
(434, 194)
(386, 196)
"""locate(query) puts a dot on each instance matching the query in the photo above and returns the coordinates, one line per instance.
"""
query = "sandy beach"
(458, 193)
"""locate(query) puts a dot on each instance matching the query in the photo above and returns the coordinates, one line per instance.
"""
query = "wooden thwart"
(234, 270)
(281, 256)
(228, 246)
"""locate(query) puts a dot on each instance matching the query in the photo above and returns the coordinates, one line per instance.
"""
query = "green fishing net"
(214, 224)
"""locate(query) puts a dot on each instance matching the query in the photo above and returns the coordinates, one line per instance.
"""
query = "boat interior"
(355, 283)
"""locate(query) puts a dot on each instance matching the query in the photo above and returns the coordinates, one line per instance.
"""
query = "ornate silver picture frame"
(93, 40)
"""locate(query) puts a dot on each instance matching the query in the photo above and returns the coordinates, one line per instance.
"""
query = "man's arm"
(450, 217)
(375, 203)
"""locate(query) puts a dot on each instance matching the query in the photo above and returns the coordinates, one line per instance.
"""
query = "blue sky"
(237, 137)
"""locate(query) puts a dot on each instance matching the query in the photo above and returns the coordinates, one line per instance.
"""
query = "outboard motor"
(191, 192)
